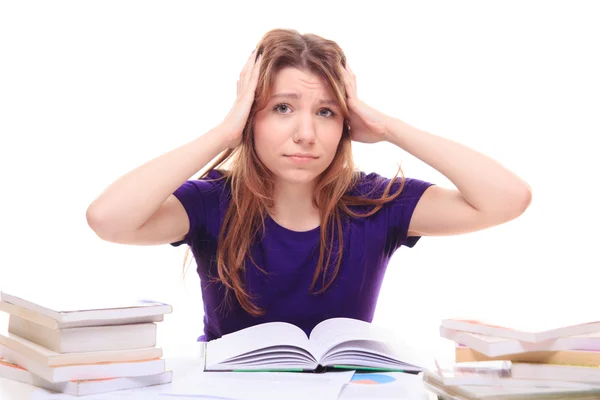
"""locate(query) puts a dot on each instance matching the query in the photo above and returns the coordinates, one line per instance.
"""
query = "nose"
(305, 131)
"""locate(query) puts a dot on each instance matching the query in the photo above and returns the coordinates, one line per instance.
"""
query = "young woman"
(291, 231)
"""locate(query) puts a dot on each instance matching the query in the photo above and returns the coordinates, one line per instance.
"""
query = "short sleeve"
(200, 200)
(400, 211)
(396, 215)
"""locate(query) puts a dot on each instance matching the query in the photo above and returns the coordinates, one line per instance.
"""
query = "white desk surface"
(181, 367)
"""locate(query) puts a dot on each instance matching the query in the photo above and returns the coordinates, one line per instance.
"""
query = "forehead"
(293, 79)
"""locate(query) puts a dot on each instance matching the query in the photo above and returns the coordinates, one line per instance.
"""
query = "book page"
(338, 330)
(256, 337)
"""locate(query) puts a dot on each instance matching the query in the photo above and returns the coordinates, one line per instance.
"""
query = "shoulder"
(214, 183)
(372, 185)
(203, 199)
(202, 194)
(214, 178)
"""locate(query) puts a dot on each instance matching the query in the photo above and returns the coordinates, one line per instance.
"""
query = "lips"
(300, 159)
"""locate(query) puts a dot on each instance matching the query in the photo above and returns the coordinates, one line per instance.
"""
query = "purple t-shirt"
(290, 258)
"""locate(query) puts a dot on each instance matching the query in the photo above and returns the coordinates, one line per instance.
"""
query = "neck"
(293, 206)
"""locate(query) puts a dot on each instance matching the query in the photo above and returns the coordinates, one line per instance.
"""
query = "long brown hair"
(252, 183)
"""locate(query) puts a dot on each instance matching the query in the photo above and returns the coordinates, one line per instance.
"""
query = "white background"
(91, 90)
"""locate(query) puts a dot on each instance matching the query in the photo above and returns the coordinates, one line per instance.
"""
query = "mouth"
(300, 159)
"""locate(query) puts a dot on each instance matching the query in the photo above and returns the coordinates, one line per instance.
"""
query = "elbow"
(524, 200)
(98, 223)
(93, 219)
(108, 227)
(510, 207)
(520, 202)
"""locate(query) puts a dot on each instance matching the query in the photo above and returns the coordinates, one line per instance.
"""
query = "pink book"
(14, 372)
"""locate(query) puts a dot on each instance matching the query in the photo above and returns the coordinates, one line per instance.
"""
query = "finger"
(349, 69)
(348, 73)
(348, 82)
(352, 77)
(256, 70)
(345, 74)
(253, 79)
(242, 80)
(249, 64)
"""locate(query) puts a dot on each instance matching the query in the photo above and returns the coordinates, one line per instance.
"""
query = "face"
(302, 117)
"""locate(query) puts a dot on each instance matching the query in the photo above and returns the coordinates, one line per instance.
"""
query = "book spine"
(29, 315)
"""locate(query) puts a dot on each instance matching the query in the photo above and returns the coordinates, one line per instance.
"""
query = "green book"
(337, 343)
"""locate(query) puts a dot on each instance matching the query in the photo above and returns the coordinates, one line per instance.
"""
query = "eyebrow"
(297, 96)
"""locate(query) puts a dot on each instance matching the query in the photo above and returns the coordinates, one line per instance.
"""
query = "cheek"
(257, 132)
(259, 143)
(333, 140)
(264, 146)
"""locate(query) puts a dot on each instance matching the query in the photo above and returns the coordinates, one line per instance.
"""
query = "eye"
(331, 112)
(277, 108)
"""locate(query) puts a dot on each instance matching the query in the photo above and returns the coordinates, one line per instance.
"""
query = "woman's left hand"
(367, 125)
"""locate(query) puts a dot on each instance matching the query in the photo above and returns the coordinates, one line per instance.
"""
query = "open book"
(338, 343)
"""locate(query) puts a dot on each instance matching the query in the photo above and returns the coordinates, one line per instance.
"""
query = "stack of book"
(85, 349)
(492, 361)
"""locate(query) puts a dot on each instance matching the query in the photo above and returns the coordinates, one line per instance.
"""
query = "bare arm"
(143, 197)
(140, 208)
(487, 193)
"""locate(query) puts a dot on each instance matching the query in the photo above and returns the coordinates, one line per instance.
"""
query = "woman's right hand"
(236, 120)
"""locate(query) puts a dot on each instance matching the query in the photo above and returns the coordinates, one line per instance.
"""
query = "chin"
(297, 175)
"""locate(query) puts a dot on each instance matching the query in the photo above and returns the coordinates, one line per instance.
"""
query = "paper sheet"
(260, 385)
(385, 385)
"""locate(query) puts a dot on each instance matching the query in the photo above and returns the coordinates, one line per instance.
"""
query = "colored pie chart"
(372, 379)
